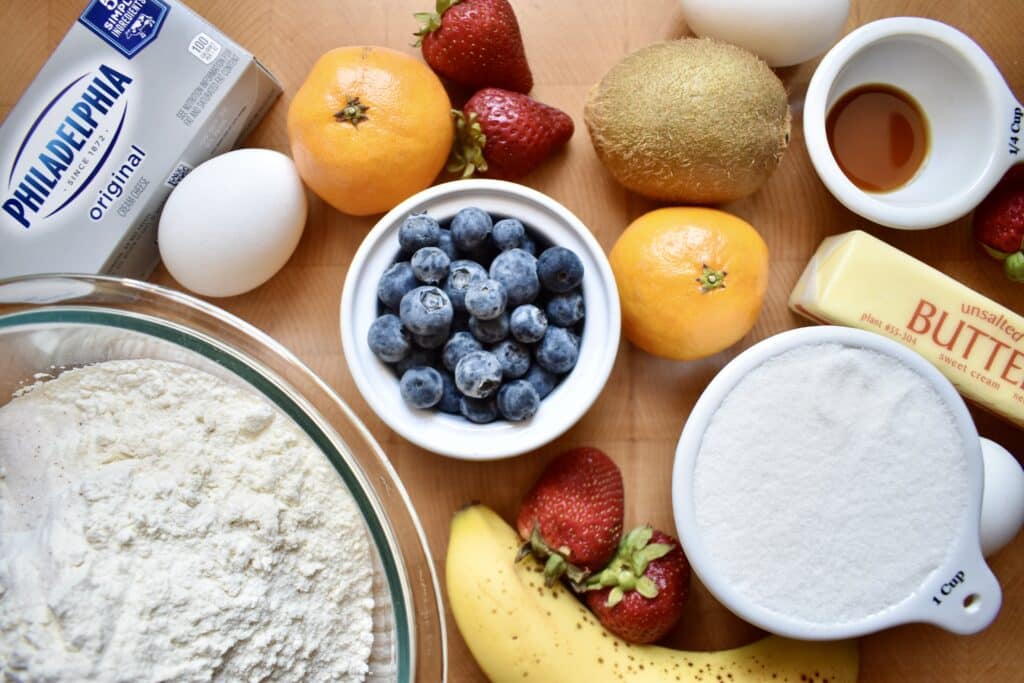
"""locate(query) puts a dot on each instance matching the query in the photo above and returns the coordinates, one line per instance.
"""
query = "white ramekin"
(452, 435)
(974, 120)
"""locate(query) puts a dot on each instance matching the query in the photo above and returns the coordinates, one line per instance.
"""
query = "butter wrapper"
(857, 280)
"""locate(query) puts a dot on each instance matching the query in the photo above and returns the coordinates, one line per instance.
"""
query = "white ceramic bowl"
(963, 558)
(974, 120)
(449, 434)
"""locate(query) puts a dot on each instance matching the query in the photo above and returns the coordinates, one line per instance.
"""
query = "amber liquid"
(878, 135)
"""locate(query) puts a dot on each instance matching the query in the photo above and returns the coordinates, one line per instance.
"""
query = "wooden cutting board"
(570, 44)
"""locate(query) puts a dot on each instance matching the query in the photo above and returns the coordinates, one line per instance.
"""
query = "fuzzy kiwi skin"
(693, 120)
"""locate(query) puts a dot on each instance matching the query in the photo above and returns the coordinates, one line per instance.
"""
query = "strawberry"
(475, 43)
(572, 517)
(506, 134)
(999, 223)
(640, 595)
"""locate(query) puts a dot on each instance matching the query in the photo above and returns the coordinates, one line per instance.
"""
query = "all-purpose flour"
(830, 482)
(158, 524)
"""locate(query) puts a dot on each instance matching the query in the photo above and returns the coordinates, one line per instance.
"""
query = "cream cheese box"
(136, 94)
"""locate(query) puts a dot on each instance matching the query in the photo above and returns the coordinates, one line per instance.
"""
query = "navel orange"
(691, 280)
(369, 127)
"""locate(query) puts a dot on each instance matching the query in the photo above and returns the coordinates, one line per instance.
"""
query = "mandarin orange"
(369, 127)
(691, 280)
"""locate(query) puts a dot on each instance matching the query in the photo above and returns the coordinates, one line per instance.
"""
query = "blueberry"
(517, 270)
(489, 331)
(478, 410)
(486, 300)
(426, 358)
(397, 281)
(470, 228)
(462, 274)
(542, 380)
(417, 231)
(528, 323)
(478, 374)
(514, 358)
(431, 341)
(558, 350)
(430, 265)
(518, 400)
(559, 269)
(421, 387)
(426, 311)
(565, 310)
(450, 397)
(508, 233)
(529, 246)
(388, 339)
(445, 244)
(458, 346)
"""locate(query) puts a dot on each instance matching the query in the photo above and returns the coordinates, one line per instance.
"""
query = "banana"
(520, 631)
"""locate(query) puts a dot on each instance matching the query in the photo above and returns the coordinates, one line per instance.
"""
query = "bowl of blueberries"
(480, 319)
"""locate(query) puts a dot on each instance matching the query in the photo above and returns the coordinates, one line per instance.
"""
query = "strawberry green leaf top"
(468, 150)
(640, 595)
(431, 20)
(1013, 266)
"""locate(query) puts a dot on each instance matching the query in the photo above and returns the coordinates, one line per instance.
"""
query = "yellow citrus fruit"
(691, 280)
(369, 127)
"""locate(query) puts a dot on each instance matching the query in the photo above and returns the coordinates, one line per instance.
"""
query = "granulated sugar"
(830, 483)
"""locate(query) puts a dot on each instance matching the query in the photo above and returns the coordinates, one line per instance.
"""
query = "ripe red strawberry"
(475, 43)
(999, 223)
(640, 595)
(572, 517)
(506, 134)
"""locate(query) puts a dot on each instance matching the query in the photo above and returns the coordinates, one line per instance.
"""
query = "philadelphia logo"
(67, 145)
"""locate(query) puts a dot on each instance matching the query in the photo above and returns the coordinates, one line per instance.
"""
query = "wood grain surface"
(570, 44)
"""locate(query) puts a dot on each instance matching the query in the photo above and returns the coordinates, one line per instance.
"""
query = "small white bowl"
(963, 558)
(452, 435)
(973, 118)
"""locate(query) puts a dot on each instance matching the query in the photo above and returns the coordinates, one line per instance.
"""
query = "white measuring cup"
(961, 595)
(974, 120)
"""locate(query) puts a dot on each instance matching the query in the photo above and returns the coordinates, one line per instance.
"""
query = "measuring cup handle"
(964, 601)
(1013, 133)
(965, 596)
(1002, 501)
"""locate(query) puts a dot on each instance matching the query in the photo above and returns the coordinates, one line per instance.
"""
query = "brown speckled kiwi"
(692, 120)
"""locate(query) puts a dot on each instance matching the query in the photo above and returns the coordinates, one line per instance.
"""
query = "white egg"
(1002, 501)
(233, 222)
(781, 32)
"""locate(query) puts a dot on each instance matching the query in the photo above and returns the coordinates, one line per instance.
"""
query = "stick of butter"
(857, 280)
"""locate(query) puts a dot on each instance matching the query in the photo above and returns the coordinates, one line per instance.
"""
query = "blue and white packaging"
(137, 94)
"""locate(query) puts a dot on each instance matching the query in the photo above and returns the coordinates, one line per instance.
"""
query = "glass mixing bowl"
(50, 323)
